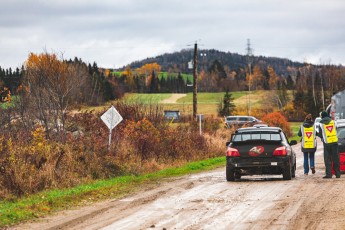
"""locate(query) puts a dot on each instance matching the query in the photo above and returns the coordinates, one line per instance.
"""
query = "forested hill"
(178, 61)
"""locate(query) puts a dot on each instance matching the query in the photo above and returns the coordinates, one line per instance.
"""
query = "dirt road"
(174, 97)
(208, 201)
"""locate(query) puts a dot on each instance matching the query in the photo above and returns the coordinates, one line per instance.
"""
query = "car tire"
(287, 173)
(293, 174)
(230, 174)
(237, 175)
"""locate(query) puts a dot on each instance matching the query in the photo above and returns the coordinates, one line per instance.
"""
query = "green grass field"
(207, 102)
(145, 98)
(295, 128)
(209, 98)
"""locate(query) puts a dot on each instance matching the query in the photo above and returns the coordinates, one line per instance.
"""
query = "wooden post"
(195, 89)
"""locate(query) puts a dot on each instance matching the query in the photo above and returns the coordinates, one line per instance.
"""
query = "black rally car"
(260, 150)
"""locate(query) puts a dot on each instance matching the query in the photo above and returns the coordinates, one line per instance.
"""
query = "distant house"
(172, 115)
(337, 107)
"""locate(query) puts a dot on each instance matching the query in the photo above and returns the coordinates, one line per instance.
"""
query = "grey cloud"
(114, 33)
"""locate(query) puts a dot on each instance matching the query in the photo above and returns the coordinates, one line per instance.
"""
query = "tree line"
(311, 85)
(48, 86)
(10, 79)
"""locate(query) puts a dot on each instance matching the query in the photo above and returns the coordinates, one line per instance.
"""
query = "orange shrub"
(144, 136)
(278, 120)
(30, 162)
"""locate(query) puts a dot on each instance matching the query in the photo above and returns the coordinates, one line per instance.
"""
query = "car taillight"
(280, 151)
(232, 152)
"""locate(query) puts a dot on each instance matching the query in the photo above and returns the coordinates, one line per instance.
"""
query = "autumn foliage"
(149, 71)
(30, 161)
(278, 120)
(44, 146)
(5, 95)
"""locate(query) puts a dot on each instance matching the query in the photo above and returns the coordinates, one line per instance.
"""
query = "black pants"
(330, 156)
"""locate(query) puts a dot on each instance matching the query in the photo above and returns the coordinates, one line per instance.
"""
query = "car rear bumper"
(273, 165)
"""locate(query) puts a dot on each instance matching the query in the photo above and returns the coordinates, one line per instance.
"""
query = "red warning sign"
(308, 134)
(329, 128)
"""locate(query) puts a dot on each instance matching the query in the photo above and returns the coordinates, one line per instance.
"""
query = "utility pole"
(322, 92)
(195, 88)
(249, 60)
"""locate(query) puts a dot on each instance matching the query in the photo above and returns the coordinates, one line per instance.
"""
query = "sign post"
(200, 117)
(111, 118)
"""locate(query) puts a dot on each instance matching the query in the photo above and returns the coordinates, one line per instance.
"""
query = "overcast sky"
(114, 33)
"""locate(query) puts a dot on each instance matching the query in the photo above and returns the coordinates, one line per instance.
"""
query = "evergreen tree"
(181, 84)
(308, 102)
(154, 86)
(163, 85)
(218, 68)
(266, 77)
(289, 82)
(227, 106)
(107, 90)
(298, 103)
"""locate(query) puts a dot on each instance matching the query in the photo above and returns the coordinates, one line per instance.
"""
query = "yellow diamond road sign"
(111, 118)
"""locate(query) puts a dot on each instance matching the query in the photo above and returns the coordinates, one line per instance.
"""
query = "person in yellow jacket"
(308, 143)
(328, 134)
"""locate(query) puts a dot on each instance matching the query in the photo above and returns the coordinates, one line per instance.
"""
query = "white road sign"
(111, 118)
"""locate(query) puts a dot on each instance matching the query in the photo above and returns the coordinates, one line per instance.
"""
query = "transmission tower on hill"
(249, 61)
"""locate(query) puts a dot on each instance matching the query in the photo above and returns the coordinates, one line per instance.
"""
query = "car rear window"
(256, 136)
(243, 119)
(231, 118)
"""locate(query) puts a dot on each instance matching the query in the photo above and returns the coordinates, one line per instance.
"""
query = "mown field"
(208, 103)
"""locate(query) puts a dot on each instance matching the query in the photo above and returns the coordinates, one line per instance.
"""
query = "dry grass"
(208, 104)
(256, 99)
